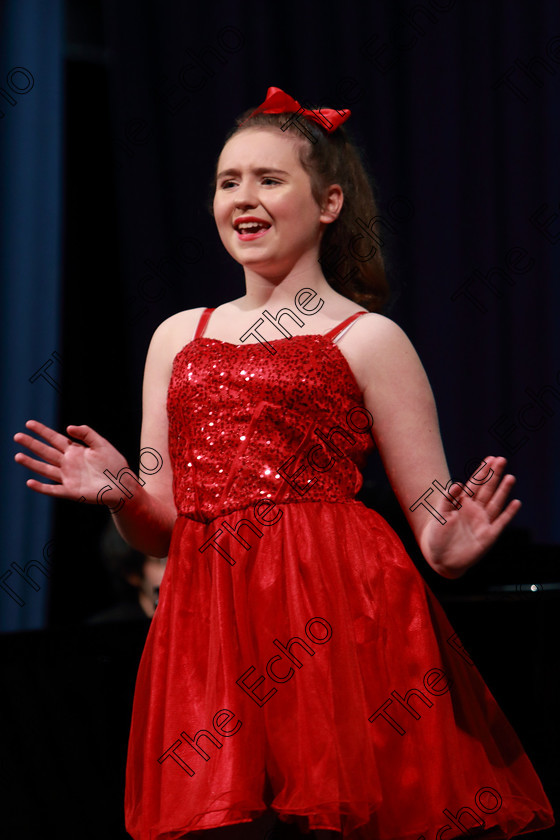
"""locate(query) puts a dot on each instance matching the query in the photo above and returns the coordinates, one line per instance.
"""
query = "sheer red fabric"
(297, 661)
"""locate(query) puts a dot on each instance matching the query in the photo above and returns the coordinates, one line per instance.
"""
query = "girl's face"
(264, 209)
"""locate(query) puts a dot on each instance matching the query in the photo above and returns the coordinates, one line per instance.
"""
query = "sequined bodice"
(246, 425)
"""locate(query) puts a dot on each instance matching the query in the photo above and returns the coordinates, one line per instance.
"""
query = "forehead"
(261, 147)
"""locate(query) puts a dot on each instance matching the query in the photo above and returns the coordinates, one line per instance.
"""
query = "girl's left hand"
(470, 530)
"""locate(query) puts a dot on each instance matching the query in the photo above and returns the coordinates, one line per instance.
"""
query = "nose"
(245, 195)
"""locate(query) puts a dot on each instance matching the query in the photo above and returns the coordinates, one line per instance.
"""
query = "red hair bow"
(278, 102)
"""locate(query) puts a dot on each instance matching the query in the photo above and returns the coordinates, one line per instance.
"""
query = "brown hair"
(334, 159)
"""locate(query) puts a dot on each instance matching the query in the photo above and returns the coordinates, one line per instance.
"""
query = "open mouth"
(251, 230)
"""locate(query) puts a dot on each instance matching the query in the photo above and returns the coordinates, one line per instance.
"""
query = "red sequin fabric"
(232, 408)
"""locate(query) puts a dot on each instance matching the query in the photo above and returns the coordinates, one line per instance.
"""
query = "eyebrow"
(261, 170)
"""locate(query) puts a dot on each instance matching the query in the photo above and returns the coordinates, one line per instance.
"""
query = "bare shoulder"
(375, 331)
(174, 333)
(377, 350)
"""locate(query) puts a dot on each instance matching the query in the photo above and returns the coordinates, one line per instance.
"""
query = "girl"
(297, 665)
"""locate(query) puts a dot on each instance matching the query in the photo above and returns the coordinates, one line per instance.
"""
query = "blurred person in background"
(135, 578)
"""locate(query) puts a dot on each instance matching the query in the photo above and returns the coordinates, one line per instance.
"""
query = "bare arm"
(95, 472)
(406, 431)
(146, 522)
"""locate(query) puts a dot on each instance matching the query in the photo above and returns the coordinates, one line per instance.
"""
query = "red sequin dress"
(297, 661)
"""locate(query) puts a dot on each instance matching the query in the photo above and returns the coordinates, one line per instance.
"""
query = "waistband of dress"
(265, 512)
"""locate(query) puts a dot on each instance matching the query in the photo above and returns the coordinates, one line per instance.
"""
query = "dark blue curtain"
(31, 138)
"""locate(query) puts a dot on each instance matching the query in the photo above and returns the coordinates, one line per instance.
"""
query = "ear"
(331, 204)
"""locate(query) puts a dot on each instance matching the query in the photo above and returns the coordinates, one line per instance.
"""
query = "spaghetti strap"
(202, 323)
(337, 331)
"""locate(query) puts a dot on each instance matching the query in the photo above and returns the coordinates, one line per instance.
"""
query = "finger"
(53, 437)
(480, 486)
(49, 489)
(498, 500)
(484, 485)
(39, 467)
(48, 453)
(505, 517)
(89, 436)
(453, 495)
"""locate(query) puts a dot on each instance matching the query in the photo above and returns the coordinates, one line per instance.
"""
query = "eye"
(225, 185)
(270, 180)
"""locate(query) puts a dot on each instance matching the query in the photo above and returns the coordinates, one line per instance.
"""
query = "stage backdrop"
(455, 107)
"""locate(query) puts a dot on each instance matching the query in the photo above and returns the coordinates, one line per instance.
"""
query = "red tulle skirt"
(311, 671)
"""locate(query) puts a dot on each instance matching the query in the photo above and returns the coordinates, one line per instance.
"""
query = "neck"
(281, 291)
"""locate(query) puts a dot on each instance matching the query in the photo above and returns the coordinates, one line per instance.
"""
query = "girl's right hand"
(76, 468)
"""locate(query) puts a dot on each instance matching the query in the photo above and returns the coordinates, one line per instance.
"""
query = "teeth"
(247, 225)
